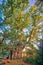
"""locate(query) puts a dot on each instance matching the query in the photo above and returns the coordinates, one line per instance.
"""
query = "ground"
(15, 62)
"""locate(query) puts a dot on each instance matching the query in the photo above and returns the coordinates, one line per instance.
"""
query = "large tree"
(15, 20)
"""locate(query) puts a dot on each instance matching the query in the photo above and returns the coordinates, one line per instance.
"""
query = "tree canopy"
(15, 21)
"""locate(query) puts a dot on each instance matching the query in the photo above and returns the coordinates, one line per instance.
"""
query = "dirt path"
(15, 62)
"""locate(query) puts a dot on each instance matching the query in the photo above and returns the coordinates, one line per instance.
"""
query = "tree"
(15, 20)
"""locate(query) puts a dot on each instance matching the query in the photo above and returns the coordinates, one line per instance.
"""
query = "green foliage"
(30, 60)
(17, 20)
(40, 57)
(35, 61)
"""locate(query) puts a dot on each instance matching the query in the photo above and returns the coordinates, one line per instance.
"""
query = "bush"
(30, 60)
(39, 60)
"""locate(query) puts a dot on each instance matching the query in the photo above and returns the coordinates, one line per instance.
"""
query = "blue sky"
(0, 1)
(32, 2)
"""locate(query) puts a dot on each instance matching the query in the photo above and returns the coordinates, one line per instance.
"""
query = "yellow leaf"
(34, 8)
(41, 17)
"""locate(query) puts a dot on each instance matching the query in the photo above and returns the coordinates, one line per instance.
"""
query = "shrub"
(30, 60)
